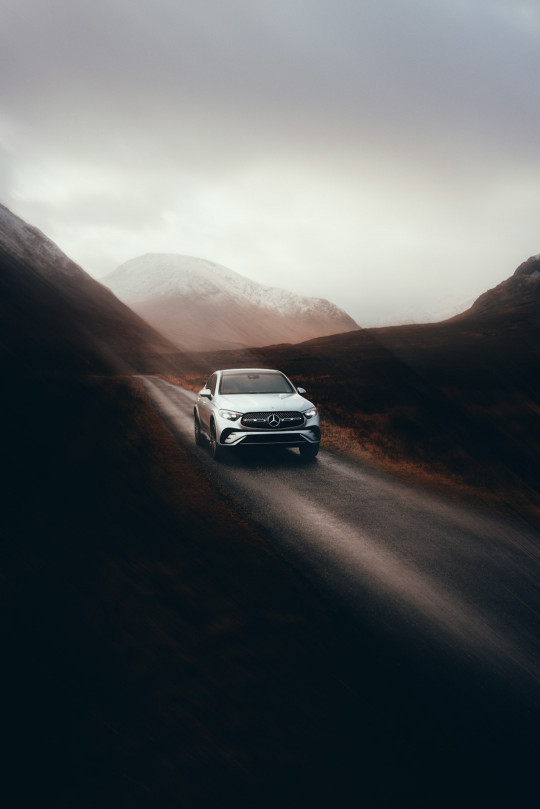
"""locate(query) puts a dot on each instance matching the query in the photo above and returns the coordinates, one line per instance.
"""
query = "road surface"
(452, 588)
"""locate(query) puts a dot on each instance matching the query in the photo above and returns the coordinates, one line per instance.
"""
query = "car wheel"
(217, 452)
(199, 439)
(309, 451)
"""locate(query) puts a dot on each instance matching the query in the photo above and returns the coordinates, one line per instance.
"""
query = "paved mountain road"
(452, 589)
(442, 571)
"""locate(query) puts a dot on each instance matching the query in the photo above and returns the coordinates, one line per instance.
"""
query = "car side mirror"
(301, 391)
(206, 393)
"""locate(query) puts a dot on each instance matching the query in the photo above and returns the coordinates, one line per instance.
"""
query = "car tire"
(199, 438)
(216, 450)
(309, 451)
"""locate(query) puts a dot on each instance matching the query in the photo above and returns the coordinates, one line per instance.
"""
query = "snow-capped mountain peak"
(178, 293)
(163, 274)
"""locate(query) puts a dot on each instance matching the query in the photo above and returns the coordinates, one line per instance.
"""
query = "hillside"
(199, 305)
(518, 295)
(53, 313)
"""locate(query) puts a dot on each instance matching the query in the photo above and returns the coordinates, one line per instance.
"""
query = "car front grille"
(276, 438)
(272, 420)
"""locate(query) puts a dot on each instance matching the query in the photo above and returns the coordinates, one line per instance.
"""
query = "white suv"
(255, 406)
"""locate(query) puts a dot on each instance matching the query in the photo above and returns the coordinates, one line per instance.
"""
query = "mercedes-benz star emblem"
(273, 420)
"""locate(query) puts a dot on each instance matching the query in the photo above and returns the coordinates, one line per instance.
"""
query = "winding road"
(453, 589)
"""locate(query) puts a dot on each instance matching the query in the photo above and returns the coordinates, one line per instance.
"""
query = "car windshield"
(255, 383)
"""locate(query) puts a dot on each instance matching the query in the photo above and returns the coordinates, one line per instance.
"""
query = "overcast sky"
(380, 153)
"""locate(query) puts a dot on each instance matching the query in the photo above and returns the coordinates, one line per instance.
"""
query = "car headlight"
(310, 413)
(229, 414)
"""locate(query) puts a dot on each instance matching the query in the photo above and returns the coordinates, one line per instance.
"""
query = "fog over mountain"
(199, 305)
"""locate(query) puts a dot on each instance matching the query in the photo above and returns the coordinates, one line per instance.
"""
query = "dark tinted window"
(255, 383)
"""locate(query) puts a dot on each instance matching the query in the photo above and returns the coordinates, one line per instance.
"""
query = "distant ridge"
(199, 305)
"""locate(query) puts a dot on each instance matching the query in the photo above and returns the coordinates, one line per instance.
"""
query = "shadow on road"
(265, 457)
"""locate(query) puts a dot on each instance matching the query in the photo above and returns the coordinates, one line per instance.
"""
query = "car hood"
(248, 402)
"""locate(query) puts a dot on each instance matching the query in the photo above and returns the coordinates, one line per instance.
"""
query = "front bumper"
(234, 437)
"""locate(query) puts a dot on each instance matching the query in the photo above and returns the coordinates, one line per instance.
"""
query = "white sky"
(384, 155)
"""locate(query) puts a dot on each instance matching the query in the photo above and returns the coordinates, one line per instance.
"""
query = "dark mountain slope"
(518, 295)
(53, 313)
